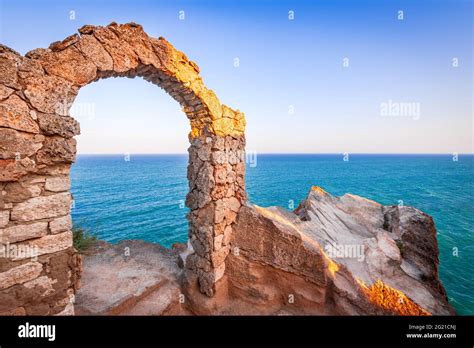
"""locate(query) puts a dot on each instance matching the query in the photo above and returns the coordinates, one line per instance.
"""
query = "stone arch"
(37, 147)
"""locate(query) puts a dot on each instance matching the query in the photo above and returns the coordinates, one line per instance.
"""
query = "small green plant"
(82, 239)
(400, 246)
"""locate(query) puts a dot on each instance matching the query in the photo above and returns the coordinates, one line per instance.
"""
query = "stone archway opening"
(130, 197)
(129, 179)
(38, 147)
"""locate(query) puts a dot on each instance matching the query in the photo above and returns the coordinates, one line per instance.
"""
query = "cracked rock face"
(337, 255)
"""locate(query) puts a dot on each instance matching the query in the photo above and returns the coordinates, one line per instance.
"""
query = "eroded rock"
(64, 126)
(347, 250)
(15, 114)
(18, 233)
(42, 207)
(20, 274)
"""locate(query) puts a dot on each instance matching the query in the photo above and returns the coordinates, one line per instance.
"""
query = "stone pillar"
(216, 174)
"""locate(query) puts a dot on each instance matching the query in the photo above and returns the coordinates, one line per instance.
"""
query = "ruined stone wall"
(37, 148)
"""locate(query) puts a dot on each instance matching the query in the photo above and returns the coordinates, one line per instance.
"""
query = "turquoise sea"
(143, 197)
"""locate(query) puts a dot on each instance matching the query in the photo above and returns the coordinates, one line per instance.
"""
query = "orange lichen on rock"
(391, 299)
(318, 189)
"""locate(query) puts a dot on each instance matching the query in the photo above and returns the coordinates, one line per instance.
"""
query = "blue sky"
(290, 82)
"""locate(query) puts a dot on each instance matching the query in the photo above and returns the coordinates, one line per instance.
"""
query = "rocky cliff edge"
(332, 256)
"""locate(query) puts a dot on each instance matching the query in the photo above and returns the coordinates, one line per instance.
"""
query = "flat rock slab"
(129, 278)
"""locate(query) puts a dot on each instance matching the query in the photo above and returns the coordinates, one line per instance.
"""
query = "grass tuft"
(82, 239)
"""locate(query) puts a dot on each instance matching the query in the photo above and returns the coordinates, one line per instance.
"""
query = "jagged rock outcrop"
(333, 255)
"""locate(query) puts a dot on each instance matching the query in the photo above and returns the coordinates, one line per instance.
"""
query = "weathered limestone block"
(42, 207)
(69, 64)
(91, 48)
(50, 94)
(15, 113)
(221, 211)
(233, 203)
(200, 248)
(219, 143)
(218, 242)
(197, 199)
(195, 262)
(239, 124)
(234, 157)
(232, 144)
(240, 181)
(139, 41)
(203, 216)
(226, 209)
(231, 192)
(164, 51)
(219, 228)
(221, 157)
(4, 218)
(49, 244)
(12, 170)
(205, 178)
(29, 68)
(219, 191)
(239, 169)
(61, 224)
(278, 242)
(232, 123)
(123, 56)
(14, 143)
(57, 150)
(61, 45)
(207, 280)
(20, 191)
(57, 183)
(187, 73)
(68, 310)
(231, 177)
(218, 257)
(227, 236)
(55, 169)
(64, 126)
(204, 152)
(19, 233)
(213, 104)
(5, 92)
(223, 126)
(8, 67)
(222, 173)
(227, 112)
(20, 274)
(44, 283)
